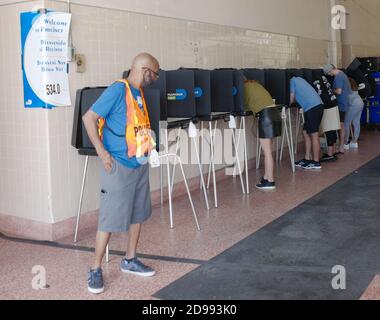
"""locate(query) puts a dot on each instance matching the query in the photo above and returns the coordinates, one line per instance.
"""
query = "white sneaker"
(346, 147)
(354, 145)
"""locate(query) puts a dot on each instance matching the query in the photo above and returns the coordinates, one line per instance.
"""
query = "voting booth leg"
(277, 145)
(238, 161)
(288, 134)
(258, 146)
(282, 140)
(188, 193)
(107, 254)
(298, 130)
(178, 141)
(291, 152)
(246, 156)
(203, 186)
(212, 133)
(187, 189)
(81, 198)
(161, 185)
(201, 150)
(241, 132)
(168, 177)
(212, 164)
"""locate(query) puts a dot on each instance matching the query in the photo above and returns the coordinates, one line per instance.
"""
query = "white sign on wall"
(44, 40)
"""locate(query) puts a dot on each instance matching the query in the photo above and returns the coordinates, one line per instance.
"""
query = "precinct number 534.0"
(53, 89)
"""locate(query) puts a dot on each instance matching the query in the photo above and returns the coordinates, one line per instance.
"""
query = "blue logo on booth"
(198, 92)
(234, 91)
(180, 94)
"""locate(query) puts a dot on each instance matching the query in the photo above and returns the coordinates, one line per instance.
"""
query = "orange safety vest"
(138, 131)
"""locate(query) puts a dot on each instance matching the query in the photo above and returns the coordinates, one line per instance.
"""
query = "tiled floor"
(237, 217)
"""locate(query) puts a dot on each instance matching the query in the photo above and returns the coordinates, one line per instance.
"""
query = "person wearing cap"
(342, 90)
(258, 100)
(118, 126)
(305, 95)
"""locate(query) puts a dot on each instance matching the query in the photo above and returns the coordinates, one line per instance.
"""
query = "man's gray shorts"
(124, 197)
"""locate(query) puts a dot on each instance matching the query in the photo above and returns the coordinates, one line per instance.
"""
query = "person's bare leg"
(331, 150)
(266, 145)
(342, 136)
(316, 146)
(102, 239)
(133, 238)
(307, 140)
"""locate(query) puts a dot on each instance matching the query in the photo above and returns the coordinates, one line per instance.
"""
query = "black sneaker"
(95, 281)
(266, 185)
(327, 158)
(301, 163)
(312, 165)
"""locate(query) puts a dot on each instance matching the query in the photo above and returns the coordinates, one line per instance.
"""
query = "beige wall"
(41, 172)
(24, 139)
(305, 18)
(362, 36)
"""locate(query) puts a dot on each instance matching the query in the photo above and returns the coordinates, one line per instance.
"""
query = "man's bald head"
(145, 59)
(144, 70)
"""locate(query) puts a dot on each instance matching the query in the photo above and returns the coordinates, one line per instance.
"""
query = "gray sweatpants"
(353, 116)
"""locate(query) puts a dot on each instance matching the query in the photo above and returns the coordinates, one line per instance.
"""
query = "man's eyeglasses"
(154, 72)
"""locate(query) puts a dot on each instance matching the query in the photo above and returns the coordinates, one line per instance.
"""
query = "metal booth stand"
(172, 116)
(84, 100)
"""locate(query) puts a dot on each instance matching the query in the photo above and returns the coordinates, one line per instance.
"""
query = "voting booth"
(275, 83)
(222, 91)
(317, 74)
(255, 74)
(308, 75)
(365, 90)
(182, 109)
(84, 99)
(278, 87)
(180, 96)
(238, 93)
(354, 72)
(202, 92)
(290, 73)
(239, 112)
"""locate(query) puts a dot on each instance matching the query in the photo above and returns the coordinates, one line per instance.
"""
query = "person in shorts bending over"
(305, 95)
(258, 100)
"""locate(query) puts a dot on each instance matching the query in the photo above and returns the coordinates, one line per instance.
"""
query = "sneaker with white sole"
(135, 266)
(312, 165)
(346, 147)
(95, 281)
(301, 163)
(266, 185)
(354, 145)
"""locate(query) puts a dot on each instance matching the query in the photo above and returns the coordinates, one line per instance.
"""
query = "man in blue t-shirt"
(342, 90)
(305, 95)
(124, 180)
